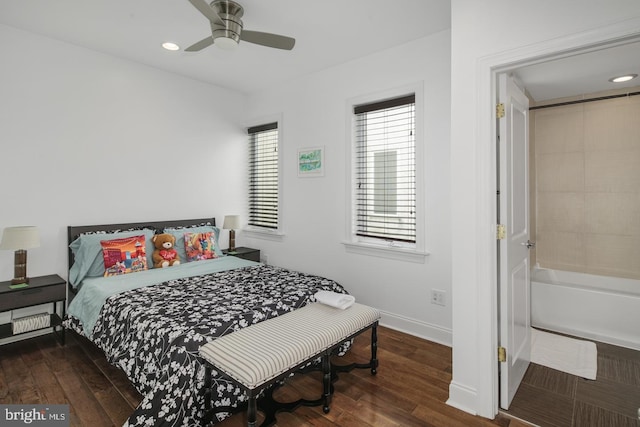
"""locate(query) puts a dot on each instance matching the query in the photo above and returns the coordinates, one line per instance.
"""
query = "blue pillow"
(178, 233)
(87, 253)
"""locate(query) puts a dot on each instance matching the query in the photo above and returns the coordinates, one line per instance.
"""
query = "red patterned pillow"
(200, 246)
(125, 255)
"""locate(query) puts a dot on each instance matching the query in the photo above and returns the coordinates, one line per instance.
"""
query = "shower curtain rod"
(581, 101)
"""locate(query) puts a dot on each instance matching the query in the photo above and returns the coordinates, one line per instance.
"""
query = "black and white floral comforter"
(153, 334)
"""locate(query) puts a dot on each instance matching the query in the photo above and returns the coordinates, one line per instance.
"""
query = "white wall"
(314, 113)
(86, 138)
(482, 29)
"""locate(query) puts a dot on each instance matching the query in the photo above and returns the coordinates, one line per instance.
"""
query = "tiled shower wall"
(586, 175)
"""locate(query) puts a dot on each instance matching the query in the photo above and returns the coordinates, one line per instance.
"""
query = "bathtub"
(605, 309)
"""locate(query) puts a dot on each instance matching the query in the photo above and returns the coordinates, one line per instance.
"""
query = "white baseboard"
(462, 397)
(417, 328)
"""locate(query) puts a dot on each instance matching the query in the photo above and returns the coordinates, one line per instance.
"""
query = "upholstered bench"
(260, 355)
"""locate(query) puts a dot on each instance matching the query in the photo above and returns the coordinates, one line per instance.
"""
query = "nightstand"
(41, 290)
(245, 253)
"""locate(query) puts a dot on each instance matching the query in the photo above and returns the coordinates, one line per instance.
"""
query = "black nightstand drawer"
(32, 296)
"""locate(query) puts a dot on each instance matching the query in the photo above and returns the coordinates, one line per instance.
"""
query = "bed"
(150, 322)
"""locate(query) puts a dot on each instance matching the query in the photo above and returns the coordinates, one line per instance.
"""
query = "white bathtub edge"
(608, 317)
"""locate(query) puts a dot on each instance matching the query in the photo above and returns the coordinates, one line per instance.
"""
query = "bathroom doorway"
(539, 81)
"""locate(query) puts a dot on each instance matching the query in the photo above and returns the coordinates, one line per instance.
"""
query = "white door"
(513, 210)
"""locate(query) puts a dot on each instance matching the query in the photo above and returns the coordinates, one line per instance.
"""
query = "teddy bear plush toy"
(165, 254)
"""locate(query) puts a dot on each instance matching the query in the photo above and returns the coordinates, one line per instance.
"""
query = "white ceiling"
(582, 73)
(327, 33)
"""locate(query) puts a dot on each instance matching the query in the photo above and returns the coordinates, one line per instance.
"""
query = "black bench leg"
(326, 381)
(374, 349)
(252, 410)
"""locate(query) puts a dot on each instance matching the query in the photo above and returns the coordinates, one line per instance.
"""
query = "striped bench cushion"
(254, 355)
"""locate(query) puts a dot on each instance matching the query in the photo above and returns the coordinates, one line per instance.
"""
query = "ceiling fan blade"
(268, 39)
(206, 10)
(205, 42)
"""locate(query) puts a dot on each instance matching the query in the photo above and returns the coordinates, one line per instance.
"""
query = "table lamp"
(231, 222)
(20, 239)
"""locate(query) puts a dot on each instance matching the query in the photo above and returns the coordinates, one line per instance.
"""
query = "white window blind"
(385, 184)
(263, 176)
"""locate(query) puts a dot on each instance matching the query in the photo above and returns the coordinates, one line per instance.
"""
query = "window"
(384, 172)
(263, 176)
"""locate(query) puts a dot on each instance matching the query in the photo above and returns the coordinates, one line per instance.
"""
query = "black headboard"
(74, 231)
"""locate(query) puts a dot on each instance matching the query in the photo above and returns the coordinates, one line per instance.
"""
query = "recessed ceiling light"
(624, 78)
(170, 46)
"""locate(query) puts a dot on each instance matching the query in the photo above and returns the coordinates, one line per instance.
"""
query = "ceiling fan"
(227, 31)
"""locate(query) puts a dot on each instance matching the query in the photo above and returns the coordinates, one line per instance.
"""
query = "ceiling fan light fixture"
(170, 46)
(226, 43)
(622, 79)
(227, 29)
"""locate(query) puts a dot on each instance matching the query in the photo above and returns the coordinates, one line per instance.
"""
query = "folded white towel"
(335, 299)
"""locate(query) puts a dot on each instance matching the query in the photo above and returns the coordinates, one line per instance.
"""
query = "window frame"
(413, 252)
(258, 231)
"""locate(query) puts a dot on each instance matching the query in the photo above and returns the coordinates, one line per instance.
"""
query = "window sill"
(399, 254)
(258, 233)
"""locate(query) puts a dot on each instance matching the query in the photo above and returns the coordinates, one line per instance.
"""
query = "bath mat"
(570, 355)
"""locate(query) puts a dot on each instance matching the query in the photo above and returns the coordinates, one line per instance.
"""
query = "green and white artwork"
(311, 161)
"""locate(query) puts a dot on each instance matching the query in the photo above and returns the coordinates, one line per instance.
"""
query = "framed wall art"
(311, 162)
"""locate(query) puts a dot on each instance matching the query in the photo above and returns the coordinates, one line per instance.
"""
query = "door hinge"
(502, 354)
(500, 110)
(501, 232)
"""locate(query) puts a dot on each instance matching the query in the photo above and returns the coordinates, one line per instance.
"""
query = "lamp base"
(20, 267)
(232, 240)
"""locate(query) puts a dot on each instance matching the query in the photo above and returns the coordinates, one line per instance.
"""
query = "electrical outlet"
(438, 297)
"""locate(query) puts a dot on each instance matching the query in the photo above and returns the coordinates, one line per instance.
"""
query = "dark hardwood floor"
(410, 389)
(551, 398)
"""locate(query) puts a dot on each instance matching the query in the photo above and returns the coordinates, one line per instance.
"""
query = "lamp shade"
(17, 238)
(231, 222)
